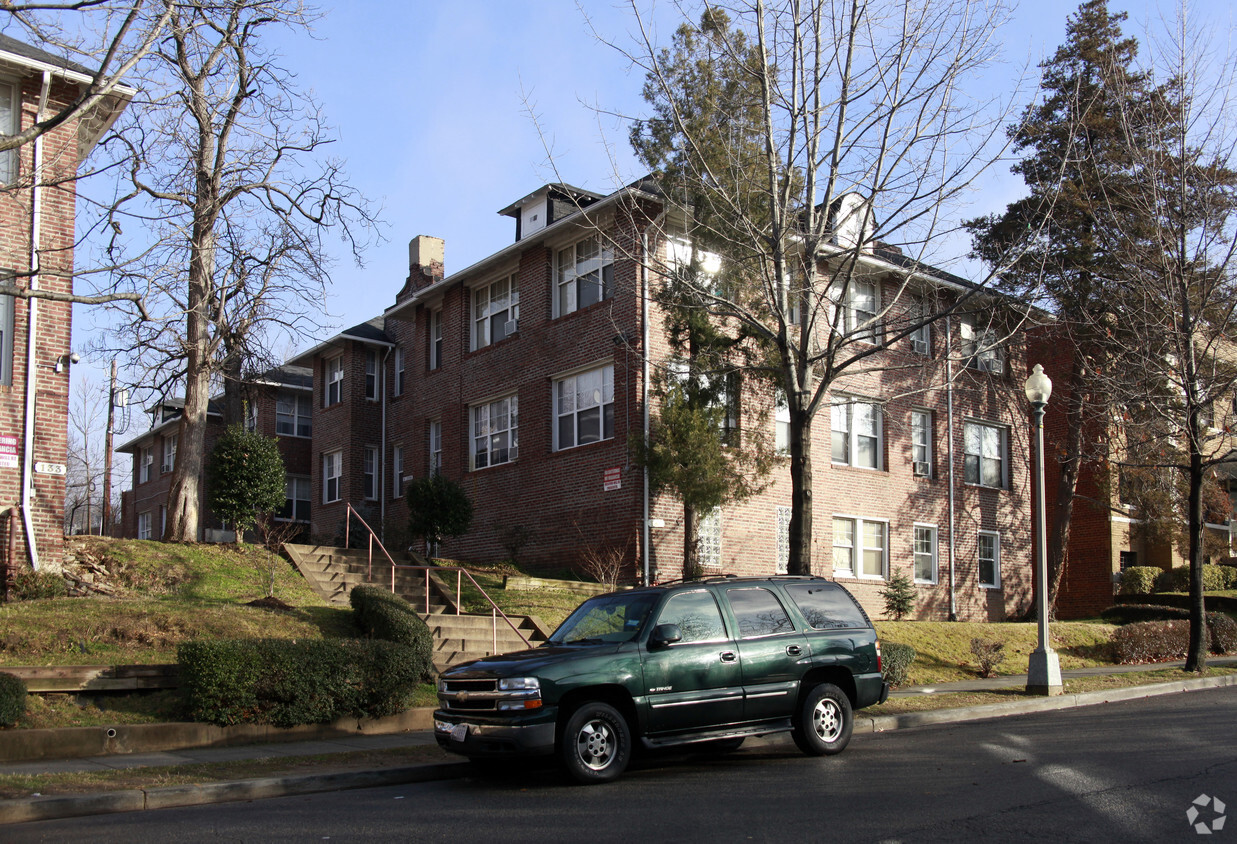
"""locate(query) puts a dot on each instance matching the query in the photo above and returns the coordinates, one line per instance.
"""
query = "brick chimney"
(425, 264)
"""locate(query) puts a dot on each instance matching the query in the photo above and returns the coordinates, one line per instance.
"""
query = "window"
(10, 114)
(169, 453)
(397, 470)
(163, 520)
(371, 374)
(332, 473)
(435, 446)
(1128, 558)
(293, 415)
(825, 606)
(989, 559)
(436, 338)
(921, 337)
(585, 275)
(334, 381)
(856, 433)
(495, 432)
(980, 346)
(696, 614)
(859, 541)
(251, 417)
(862, 305)
(143, 525)
(984, 448)
(783, 540)
(709, 539)
(921, 443)
(925, 553)
(399, 370)
(781, 423)
(146, 460)
(369, 473)
(7, 307)
(758, 612)
(584, 408)
(296, 503)
(495, 312)
(720, 389)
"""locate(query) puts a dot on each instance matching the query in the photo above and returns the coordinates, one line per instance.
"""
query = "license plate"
(459, 732)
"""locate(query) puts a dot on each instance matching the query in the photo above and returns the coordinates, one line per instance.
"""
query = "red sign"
(612, 479)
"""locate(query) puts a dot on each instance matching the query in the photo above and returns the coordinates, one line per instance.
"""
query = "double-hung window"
(985, 449)
(859, 547)
(334, 381)
(399, 370)
(495, 432)
(369, 473)
(332, 475)
(584, 407)
(862, 306)
(10, 112)
(920, 337)
(296, 499)
(435, 336)
(856, 428)
(495, 312)
(293, 415)
(781, 423)
(585, 275)
(435, 466)
(397, 470)
(143, 525)
(925, 553)
(169, 452)
(146, 460)
(921, 443)
(371, 374)
(989, 553)
(980, 345)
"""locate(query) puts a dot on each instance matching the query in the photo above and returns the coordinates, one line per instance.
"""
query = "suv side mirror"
(665, 634)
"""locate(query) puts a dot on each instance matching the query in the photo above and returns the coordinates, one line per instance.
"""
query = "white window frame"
(293, 410)
(782, 521)
(145, 464)
(849, 545)
(570, 407)
(143, 525)
(251, 416)
(10, 90)
(843, 411)
(483, 418)
(921, 443)
(709, 539)
(371, 374)
(297, 489)
(781, 423)
(435, 450)
(495, 305)
(573, 271)
(399, 371)
(995, 536)
(858, 547)
(369, 473)
(397, 471)
(729, 392)
(435, 339)
(854, 319)
(980, 346)
(921, 532)
(170, 441)
(921, 337)
(978, 458)
(332, 476)
(334, 392)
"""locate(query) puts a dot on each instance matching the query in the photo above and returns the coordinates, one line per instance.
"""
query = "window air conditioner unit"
(510, 326)
(919, 345)
(923, 469)
(165, 468)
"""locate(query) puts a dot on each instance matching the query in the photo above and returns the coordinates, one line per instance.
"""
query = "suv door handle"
(793, 650)
(728, 656)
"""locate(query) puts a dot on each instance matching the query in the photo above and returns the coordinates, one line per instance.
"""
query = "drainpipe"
(32, 324)
(949, 401)
(382, 452)
(645, 336)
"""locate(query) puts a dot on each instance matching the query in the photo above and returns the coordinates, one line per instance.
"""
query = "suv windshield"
(606, 618)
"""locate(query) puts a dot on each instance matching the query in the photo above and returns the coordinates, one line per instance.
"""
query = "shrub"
(1138, 580)
(1222, 631)
(12, 699)
(896, 662)
(899, 596)
(244, 477)
(286, 682)
(1151, 641)
(30, 585)
(1215, 579)
(381, 614)
(988, 653)
(437, 507)
(1131, 613)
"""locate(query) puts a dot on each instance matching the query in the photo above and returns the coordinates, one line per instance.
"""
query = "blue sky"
(429, 101)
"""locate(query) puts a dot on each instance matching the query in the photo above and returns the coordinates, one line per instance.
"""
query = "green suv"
(703, 661)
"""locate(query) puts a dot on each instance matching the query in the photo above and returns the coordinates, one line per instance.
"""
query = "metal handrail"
(495, 611)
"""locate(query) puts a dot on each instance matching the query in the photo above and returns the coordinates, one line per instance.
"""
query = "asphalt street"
(1118, 772)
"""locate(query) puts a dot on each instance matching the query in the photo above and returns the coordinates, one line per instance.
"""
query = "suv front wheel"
(596, 743)
(825, 721)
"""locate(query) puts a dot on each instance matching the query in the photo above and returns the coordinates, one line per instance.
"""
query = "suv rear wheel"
(596, 743)
(825, 721)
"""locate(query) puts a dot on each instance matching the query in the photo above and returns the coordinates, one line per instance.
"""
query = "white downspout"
(32, 324)
(645, 337)
(949, 400)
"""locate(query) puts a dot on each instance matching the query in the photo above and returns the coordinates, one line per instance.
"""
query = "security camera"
(75, 358)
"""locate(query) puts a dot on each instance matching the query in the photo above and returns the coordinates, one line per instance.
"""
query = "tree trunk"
(1196, 657)
(691, 544)
(800, 559)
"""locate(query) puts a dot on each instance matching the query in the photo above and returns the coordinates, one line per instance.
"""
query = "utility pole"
(105, 526)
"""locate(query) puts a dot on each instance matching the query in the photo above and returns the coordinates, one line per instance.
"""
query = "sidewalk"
(329, 777)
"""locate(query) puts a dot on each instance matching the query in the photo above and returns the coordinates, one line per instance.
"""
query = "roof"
(295, 377)
(213, 408)
(369, 332)
(570, 191)
(34, 54)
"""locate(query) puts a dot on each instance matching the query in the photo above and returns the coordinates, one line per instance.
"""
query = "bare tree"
(227, 176)
(794, 140)
(84, 482)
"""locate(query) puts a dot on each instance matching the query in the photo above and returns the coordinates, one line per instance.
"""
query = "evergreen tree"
(245, 477)
(437, 507)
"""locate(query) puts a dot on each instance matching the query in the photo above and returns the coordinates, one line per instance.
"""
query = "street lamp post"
(1044, 669)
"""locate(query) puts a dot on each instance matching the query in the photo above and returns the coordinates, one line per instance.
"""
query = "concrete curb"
(48, 808)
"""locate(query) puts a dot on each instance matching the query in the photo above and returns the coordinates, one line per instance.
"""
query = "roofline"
(127, 448)
(333, 341)
(518, 246)
(67, 73)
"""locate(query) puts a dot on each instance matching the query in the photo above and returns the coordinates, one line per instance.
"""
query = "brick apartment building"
(278, 405)
(524, 377)
(37, 218)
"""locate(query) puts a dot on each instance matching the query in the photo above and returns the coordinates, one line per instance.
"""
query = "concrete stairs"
(458, 637)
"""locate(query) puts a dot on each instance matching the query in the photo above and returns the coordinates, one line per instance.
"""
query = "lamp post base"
(1044, 673)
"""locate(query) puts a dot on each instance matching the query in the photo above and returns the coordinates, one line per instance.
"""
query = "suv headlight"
(513, 684)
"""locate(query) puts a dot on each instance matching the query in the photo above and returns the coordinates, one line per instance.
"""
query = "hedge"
(12, 699)
(896, 662)
(285, 682)
(1138, 580)
(1215, 579)
(1132, 613)
(381, 614)
(1159, 641)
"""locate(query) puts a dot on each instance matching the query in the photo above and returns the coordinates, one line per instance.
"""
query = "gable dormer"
(546, 206)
